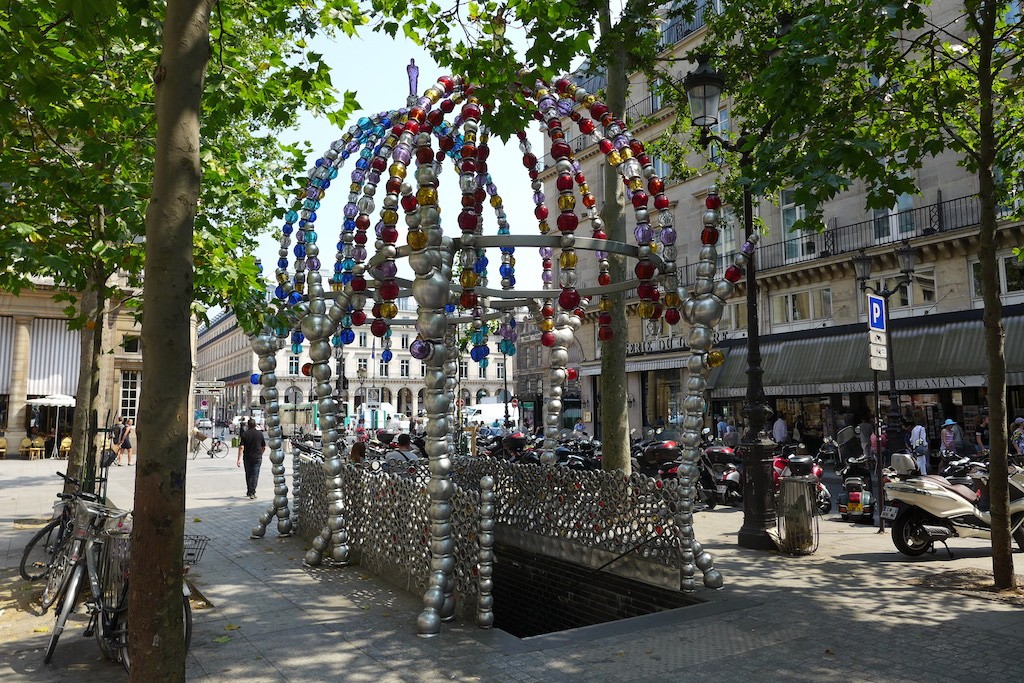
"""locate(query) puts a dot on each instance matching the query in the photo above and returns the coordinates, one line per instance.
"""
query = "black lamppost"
(862, 266)
(704, 91)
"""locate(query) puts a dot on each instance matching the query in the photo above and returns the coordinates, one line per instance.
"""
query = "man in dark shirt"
(251, 445)
(981, 434)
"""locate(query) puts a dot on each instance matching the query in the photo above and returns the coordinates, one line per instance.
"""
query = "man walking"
(250, 449)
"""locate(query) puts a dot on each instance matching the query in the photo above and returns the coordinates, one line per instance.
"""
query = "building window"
(293, 365)
(405, 341)
(463, 369)
(130, 383)
(799, 245)
(500, 369)
(1011, 277)
(920, 291)
(383, 368)
(481, 394)
(721, 129)
(423, 369)
(362, 339)
(403, 369)
(896, 222)
(481, 372)
(796, 307)
(130, 344)
(363, 364)
(662, 168)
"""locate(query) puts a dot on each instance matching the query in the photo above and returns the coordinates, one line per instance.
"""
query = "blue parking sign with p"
(876, 313)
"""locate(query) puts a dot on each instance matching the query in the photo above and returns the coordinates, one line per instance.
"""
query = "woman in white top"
(919, 442)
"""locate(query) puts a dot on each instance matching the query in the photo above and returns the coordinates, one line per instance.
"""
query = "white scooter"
(928, 509)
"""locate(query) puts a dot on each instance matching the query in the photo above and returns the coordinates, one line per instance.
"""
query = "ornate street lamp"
(907, 257)
(704, 90)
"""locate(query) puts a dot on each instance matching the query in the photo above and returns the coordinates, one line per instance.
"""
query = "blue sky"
(374, 67)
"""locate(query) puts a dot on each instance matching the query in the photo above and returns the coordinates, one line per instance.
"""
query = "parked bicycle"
(213, 445)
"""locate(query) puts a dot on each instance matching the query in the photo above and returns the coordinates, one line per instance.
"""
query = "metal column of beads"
(265, 347)
(392, 142)
(485, 571)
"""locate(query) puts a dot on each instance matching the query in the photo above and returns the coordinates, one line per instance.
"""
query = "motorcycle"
(669, 455)
(725, 465)
(790, 462)
(927, 509)
(856, 502)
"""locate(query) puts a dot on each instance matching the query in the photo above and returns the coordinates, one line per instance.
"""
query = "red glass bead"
(561, 84)
(605, 333)
(379, 163)
(639, 199)
(569, 299)
(541, 212)
(579, 312)
(397, 129)
(393, 185)
(588, 126)
(358, 284)
(598, 109)
(672, 316)
(656, 313)
(360, 237)
(571, 374)
(661, 202)
(409, 202)
(564, 182)
(448, 83)
(468, 151)
(644, 270)
(435, 117)
(604, 279)
(644, 159)
(469, 165)
(470, 111)
(467, 221)
(417, 114)
(604, 319)
(389, 234)
(389, 290)
(375, 310)
(358, 317)
(713, 201)
(589, 200)
(560, 150)
(605, 146)
(412, 127)
(529, 160)
(733, 273)
(568, 221)
(655, 185)
(480, 194)
(378, 327)
(637, 147)
(482, 153)
(468, 299)
(644, 290)
(547, 339)
(424, 155)
(439, 156)
(709, 236)
(580, 178)
(446, 143)
(546, 264)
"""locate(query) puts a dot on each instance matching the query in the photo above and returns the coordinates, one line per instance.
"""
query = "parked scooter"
(669, 454)
(926, 509)
(790, 462)
(857, 502)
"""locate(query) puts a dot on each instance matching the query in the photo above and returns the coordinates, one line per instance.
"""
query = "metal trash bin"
(797, 523)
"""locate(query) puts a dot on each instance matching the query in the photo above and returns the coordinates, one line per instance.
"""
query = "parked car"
(204, 423)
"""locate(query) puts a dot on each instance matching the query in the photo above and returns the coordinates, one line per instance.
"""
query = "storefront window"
(795, 307)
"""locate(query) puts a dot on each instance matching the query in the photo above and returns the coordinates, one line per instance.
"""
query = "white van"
(487, 413)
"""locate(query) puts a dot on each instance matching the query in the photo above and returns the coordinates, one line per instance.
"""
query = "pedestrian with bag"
(126, 442)
(919, 442)
(115, 438)
(250, 451)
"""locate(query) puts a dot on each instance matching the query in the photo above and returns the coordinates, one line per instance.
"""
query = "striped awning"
(6, 353)
(54, 358)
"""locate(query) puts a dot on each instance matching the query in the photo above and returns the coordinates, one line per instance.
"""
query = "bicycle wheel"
(66, 607)
(60, 570)
(218, 449)
(38, 555)
(195, 449)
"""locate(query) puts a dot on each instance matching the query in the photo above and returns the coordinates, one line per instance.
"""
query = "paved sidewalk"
(847, 613)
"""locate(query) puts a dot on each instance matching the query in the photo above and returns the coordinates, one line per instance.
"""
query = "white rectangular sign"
(879, 351)
(876, 337)
(880, 364)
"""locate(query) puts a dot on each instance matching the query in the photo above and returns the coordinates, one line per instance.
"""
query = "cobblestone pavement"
(850, 612)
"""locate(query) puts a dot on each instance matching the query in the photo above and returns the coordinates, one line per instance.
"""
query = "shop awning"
(946, 356)
(641, 364)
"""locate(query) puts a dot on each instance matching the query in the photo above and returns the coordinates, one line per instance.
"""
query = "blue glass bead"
(281, 332)
(296, 348)
(299, 250)
(348, 263)
(348, 336)
(512, 323)
(506, 270)
(294, 298)
(345, 155)
(511, 282)
(364, 123)
(449, 308)
(312, 217)
(280, 293)
(291, 217)
(282, 263)
(259, 266)
(511, 351)
(476, 354)
(336, 340)
(298, 337)
(302, 223)
(362, 164)
(287, 229)
(346, 320)
(336, 278)
(346, 278)
(332, 174)
(326, 184)
(254, 378)
(366, 153)
(484, 362)
(386, 355)
(310, 236)
(387, 333)
(349, 223)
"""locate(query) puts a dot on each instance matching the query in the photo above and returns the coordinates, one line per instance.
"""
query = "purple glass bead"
(402, 154)
(565, 106)
(547, 277)
(621, 142)
(379, 228)
(419, 349)
(643, 233)
(300, 235)
(353, 146)
(351, 211)
(359, 253)
(576, 165)
(513, 337)
(601, 255)
(546, 252)
(313, 263)
(538, 198)
(388, 269)
(312, 193)
(374, 177)
(748, 248)
(668, 236)
(492, 189)
(545, 103)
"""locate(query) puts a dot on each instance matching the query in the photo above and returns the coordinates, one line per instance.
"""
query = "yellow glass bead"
(636, 184)
(388, 309)
(567, 259)
(604, 305)
(672, 300)
(417, 239)
(546, 325)
(397, 170)
(512, 260)
(355, 187)
(282, 278)
(300, 287)
(337, 286)
(588, 101)
(496, 201)
(426, 196)
(626, 153)
(645, 309)
(613, 158)
(541, 92)
(544, 227)
(655, 247)
(715, 358)
(584, 188)
(566, 202)
(467, 278)
(389, 216)
(432, 94)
